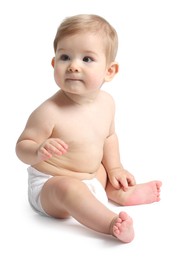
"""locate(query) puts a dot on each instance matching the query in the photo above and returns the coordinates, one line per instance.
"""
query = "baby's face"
(80, 63)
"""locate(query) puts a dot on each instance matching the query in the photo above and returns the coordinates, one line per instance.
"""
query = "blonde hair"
(89, 23)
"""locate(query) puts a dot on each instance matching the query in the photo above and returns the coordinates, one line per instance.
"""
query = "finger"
(56, 147)
(56, 150)
(124, 184)
(44, 154)
(115, 183)
(62, 143)
(131, 181)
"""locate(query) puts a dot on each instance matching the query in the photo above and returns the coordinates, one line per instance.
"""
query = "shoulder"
(45, 110)
(106, 95)
(107, 98)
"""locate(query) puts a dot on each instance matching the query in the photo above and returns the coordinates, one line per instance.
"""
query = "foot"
(144, 193)
(122, 228)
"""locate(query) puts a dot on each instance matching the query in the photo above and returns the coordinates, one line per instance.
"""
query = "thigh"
(102, 175)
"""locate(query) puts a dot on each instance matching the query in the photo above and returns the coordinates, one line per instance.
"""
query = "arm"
(117, 175)
(35, 143)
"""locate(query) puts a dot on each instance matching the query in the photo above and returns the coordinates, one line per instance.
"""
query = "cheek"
(58, 73)
(94, 81)
(57, 76)
(97, 78)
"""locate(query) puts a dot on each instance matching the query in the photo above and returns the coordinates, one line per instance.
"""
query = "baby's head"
(93, 24)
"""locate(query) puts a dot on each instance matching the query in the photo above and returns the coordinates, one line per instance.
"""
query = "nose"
(73, 67)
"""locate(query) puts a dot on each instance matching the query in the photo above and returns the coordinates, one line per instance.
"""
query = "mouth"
(72, 79)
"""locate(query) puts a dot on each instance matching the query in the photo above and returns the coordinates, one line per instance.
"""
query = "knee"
(65, 186)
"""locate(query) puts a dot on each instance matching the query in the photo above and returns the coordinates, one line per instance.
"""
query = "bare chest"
(86, 126)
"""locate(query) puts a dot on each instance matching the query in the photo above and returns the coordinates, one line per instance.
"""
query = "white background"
(147, 109)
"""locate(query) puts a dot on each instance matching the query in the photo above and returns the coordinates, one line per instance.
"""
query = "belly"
(79, 159)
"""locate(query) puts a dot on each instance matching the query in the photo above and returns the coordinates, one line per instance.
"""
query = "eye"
(87, 59)
(64, 57)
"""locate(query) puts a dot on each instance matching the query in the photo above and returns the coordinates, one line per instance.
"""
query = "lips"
(73, 79)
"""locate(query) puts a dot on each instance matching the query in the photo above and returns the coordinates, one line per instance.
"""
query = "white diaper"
(37, 179)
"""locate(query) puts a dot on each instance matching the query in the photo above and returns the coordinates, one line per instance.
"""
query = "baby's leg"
(64, 196)
(138, 194)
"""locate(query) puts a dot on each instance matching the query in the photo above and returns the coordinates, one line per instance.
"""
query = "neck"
(79, 99)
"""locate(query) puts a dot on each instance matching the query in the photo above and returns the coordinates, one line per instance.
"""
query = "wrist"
(115, 169)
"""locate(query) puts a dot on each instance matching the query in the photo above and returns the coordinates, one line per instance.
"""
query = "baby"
(69, 141)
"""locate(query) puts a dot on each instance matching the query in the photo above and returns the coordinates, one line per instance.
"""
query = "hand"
(121, 178)
(52, 146)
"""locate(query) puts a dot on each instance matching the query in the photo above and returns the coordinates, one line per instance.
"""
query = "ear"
(111, 71)
(53, 62)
